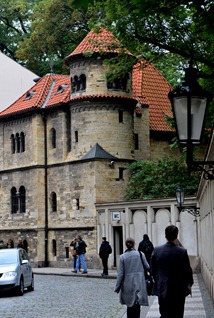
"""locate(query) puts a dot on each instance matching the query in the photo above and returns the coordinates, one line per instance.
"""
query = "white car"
(15, 271)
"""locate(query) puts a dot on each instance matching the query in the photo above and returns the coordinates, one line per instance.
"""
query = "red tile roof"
(149, 86)
(100, 41)
(43, 94)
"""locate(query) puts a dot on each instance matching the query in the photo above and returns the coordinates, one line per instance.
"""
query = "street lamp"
(180, 201)
(189, 105)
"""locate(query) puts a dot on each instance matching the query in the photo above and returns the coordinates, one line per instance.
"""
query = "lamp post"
(179, 197)
(180, 201)
(189, 105)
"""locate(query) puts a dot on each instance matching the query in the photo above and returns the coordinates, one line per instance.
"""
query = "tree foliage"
(150, 179)
(15, 22)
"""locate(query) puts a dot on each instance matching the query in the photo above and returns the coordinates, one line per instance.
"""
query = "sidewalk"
(198, 306)
(68, 272)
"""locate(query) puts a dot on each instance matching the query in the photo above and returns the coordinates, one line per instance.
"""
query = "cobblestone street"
(61, 294)
(59, 297)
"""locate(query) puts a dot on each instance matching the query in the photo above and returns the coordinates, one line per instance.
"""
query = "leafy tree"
(57, 28)
(15, 18)
(162, 30)
(149, 179)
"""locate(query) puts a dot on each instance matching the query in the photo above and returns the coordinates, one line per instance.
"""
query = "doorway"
(118, 244)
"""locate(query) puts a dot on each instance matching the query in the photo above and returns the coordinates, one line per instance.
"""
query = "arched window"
(76, 83)
(22, 199)
(22, 142)
(53, 137)
(14, 200)
(13, 147)
(82, 82)
(53, 202)
(17, 141)
(119, 83)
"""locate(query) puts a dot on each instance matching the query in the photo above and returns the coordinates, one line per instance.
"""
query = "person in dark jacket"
(105, 250)
(81, 255)
(146, 247)
(171, 270)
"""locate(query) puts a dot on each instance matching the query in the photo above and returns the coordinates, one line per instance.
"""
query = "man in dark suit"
(171, 270)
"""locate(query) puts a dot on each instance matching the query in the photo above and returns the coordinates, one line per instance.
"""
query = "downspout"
(46, 188)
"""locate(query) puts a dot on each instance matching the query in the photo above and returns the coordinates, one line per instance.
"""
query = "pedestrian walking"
(146, 247)
(172, 273)
(104, 252)
(131, 281)
(75, 244)
(81, 255)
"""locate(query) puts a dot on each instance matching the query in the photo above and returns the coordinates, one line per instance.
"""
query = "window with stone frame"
(78, 83)
(119, 83)
(120, 116)
(82, 82)
(17, 143)
(13, 147)
(53, 137)
(136, 142)
(14, 200)
(22, 142)
(76, 136)
(22, 199)
(18, 200)
(53, 202)
(54, 247)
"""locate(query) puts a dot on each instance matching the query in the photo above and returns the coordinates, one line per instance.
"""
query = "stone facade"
(48, 188)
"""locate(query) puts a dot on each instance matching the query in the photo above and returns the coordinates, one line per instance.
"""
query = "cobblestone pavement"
(60, 297)
(59, 294)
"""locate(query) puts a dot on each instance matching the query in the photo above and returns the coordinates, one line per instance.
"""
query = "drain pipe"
(46, 188)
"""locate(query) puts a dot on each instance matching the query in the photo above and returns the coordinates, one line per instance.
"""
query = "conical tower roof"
(102, 41)
(97, 152)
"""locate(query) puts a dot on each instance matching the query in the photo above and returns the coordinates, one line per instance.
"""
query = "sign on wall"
(116, 216)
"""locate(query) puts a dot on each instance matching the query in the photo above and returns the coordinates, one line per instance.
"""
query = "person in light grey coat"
(131, 280)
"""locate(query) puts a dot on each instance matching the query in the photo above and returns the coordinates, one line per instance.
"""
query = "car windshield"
(7, 258)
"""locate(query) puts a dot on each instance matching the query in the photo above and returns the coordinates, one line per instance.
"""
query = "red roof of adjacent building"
(151, 88)
(50, 90)
(148, 85)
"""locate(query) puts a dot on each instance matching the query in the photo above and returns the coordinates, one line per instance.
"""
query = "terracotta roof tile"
(42, 94)
(101, 41)
(148, 85)
(151, 88)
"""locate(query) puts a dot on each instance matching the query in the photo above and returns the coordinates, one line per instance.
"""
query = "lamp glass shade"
(198, 106)
(180, 196)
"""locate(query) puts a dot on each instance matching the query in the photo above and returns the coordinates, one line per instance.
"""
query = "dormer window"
(61, 89)
(29, 95)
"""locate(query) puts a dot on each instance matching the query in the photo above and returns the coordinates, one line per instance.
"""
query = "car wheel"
(20, 288)
(31, 287)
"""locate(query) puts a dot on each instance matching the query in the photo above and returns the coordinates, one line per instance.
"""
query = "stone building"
(65, 145)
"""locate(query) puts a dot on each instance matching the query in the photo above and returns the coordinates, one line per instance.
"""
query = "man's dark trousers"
(171, 308)
(105, 264)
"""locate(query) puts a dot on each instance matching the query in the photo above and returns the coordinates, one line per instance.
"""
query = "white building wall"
(147, 217)
(15, 80)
